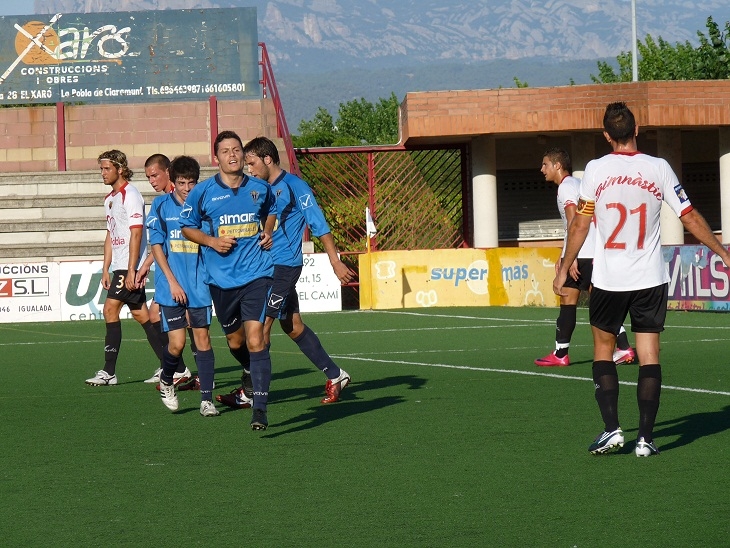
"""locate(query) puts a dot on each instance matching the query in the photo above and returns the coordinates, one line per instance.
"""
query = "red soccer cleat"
(624, 356)
(236, 399)
(334, 387)
(551, 360)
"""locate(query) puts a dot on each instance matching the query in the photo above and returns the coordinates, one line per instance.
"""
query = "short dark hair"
(262, 147)
(118, 159)
(559, 156)
(619, 122)
(186, 167)
(228, 134)
(158, 159)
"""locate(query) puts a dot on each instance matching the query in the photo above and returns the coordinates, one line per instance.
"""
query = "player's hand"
(106, 281)
(265, 240)
(344, 274)
(574, 272)
(558, 284)
(140, 279)
(178, 293)
(129, 282)
(223, 244)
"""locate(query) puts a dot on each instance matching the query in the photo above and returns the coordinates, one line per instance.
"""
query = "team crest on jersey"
(278, 193)
(254, 195)
(681, 194)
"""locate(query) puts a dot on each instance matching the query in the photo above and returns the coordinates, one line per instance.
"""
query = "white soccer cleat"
(168, 396)
(154, 379)
(207, 409)
(185, 376)
(102, 378)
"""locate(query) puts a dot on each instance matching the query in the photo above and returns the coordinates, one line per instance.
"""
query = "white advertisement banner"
(29, 292)
(318, 288)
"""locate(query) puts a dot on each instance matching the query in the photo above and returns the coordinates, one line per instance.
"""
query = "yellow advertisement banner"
(458, 277)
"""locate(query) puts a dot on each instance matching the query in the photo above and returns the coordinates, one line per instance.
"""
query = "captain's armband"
(585, 207)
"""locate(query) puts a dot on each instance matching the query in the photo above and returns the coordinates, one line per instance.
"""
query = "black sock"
(605, 378)
(622, 339)
(169, 366)
(311, 347)
(648, 391)
(242, 356)
(154, 339)
(206, 372)
(193, 346)
(112, 342)
(261, 377)
(564, 327)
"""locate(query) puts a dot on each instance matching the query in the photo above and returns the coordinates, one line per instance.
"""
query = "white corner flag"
(369, 223)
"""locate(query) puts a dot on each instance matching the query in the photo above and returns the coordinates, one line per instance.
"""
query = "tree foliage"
(359, 122)
(660, 60)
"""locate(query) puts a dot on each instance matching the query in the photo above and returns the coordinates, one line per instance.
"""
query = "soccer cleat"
(607, 441)
(334, 387)
(237, 399)
(624, 356)
(551, 360)
(192, 384)
(645, 448)
(247, 384)
(168, 396)
(178, 378)
(102, 378)
(207, 409)
(155, 378)
(258, 420)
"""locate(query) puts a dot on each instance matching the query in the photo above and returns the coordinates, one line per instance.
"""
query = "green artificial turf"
(448, 435)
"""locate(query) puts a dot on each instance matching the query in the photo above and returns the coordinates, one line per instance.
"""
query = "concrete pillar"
(484, 191)
(583, 151)
(669, 147)
(724, 154)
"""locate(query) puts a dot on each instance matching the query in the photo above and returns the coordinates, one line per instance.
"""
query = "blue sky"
(16, 7)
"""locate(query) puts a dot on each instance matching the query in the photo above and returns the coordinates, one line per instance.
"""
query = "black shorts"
(585, 272)
(118, 291)
(646, 307)
(181, 317)
(283, 300)
(240, 304)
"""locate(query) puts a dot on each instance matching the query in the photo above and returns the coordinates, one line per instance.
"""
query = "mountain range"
(327, 52)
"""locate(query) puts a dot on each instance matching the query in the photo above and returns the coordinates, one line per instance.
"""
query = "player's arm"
(577, 232)
(106, 281)
(696, 224)
(141, 277)
(569, 216)
(176, 291)
(135, 243)
(221, 244)
(343, 273)
(266, 235)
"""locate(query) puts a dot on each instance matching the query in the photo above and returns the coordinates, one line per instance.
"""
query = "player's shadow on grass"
(351, 403)
(692, 427)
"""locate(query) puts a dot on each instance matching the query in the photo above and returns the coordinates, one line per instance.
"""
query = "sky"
(16, 7)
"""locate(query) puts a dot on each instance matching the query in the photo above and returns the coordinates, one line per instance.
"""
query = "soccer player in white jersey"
(125, 248)
(625, 190)
(557, 169)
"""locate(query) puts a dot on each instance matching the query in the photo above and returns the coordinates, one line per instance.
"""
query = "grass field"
(447, 436)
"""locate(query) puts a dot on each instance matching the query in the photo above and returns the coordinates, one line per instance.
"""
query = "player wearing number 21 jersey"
(628, 190)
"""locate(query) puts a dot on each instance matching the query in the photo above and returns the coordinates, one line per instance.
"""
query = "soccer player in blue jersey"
(180, 287)
(296, 209)
(224, 214)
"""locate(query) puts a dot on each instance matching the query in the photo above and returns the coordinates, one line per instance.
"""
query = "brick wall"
(28, 139)
(430, 116)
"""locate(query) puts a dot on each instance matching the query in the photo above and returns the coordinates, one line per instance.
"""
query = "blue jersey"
(219, 210)
(183, 257)
(296, 209)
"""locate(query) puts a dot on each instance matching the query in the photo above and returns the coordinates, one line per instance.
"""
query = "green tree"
(359, 122)
(660, 60)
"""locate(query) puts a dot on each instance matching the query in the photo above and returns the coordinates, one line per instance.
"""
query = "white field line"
(519, 372)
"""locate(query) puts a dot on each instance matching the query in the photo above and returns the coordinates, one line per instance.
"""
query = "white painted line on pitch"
(527, 373)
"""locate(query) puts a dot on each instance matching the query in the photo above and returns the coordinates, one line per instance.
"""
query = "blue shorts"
(647, 308)
(283, 300)
(241, 304)
(180, 317)
(118, 291)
